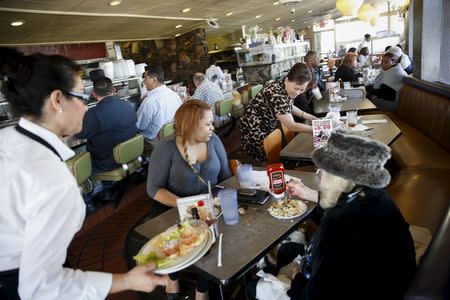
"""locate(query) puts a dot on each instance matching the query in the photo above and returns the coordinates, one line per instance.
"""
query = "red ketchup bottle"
(277, 184)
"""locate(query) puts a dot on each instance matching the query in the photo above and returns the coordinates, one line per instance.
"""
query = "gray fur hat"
(355, 158)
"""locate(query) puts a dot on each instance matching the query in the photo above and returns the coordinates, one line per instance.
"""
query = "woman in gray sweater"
(181, 167)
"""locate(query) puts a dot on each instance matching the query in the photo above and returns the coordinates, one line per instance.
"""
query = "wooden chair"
(272, 146)
(288, 134)
(233, 164)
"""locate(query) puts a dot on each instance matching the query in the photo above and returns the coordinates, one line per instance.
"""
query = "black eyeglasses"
(83, 97)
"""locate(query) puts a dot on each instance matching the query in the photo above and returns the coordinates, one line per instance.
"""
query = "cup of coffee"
(352, 118)
(317, 94)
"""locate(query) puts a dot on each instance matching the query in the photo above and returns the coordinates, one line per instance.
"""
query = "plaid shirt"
(208, 92)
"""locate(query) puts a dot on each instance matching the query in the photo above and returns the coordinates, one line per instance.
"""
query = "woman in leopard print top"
(274, 102)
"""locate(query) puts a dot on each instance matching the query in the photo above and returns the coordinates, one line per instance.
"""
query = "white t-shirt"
(41, 209)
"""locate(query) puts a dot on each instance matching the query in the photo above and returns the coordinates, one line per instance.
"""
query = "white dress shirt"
(41, 209)
(214, 70)
(156, 110)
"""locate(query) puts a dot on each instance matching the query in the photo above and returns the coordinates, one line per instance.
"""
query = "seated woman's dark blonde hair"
(187, 118)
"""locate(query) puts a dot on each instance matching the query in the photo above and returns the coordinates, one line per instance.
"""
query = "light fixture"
(187, 9)
(277, 19)
(115, 2)
(17, 23)
(178, 34)
(258, 16)
(366, 12)
(228, 14)
(309, 11)
(348, 7)
(276, 3)
(179, 26)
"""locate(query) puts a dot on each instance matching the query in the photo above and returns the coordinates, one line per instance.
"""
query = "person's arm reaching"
(302, 114)
(288, 121)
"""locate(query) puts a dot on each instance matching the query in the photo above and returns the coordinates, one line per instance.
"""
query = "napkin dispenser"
(358, 92)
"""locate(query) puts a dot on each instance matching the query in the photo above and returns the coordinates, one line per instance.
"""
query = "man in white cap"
(404, 60)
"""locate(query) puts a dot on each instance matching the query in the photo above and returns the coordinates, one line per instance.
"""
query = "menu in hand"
(321, 131)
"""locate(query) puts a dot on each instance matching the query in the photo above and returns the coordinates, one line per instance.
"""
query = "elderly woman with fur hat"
(362, 248)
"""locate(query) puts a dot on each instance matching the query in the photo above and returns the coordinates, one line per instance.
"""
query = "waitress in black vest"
(40, 205)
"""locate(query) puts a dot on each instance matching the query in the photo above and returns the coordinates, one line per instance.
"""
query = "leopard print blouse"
(259, 120)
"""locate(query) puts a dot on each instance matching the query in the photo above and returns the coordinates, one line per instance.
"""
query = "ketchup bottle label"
(276, 177)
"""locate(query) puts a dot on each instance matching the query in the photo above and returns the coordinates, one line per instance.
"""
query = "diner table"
(322, 106)
(243, 245)
(301, 146)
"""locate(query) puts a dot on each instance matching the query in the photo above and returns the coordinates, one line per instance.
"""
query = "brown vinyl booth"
(420, 184)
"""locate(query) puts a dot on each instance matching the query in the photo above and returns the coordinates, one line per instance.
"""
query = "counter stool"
(223, 109)
(128, 155)
(255, 90)
(165, 131)
(81, 168)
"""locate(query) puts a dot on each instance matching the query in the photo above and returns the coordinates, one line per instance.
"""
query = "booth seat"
(420, 183)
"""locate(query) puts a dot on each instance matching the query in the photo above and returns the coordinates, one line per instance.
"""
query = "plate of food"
(287, 209)
(177, 247)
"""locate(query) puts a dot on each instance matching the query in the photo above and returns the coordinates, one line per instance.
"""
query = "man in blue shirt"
(109, 123)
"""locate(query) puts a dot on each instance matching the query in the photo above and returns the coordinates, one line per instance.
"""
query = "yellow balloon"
(366, 12)
(373, 21)
(348, 7)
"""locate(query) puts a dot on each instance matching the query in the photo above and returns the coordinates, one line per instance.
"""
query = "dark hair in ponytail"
(29, 80)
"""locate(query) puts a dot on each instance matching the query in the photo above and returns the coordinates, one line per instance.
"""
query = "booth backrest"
(426, 106)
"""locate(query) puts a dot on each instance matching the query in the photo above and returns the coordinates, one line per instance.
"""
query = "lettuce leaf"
(143, 259)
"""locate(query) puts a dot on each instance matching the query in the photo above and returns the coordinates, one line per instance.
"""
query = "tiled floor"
(99, 246)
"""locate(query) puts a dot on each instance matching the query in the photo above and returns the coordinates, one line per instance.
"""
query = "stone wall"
(179, 57)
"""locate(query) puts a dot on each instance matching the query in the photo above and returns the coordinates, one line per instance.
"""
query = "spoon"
(242, 212)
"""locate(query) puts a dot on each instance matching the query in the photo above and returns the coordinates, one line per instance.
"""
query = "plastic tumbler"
(228, 201)
(352, 118)
(245, 175)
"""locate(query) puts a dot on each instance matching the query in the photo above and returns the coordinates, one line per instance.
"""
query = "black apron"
(9, 280)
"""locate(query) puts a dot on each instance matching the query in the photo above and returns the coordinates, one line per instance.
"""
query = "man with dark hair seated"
(109, 123)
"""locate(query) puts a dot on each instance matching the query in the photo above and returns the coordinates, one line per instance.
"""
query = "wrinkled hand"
(141, 278)
(296, 268)
(296, 187)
